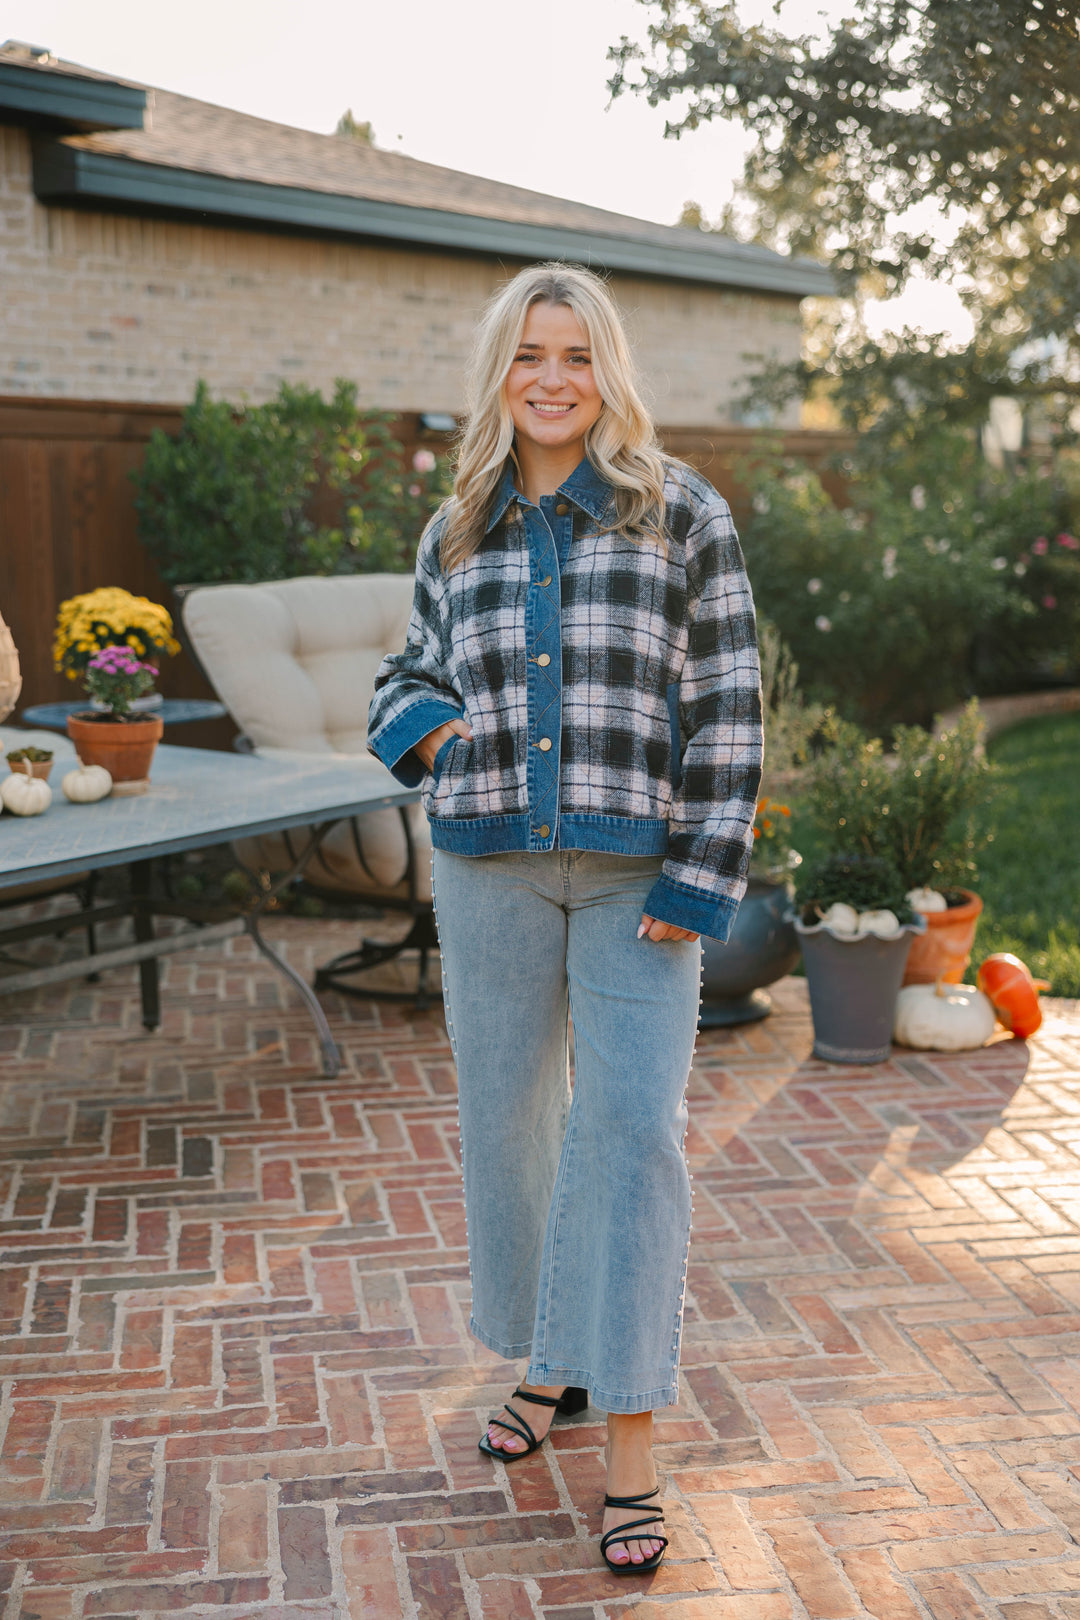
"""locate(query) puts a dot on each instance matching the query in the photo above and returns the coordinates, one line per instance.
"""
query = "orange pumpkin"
(1013, 992)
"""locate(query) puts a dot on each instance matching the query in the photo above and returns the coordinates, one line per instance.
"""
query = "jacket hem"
(504, 835)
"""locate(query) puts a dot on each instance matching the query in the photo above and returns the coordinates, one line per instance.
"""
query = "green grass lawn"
(1029, 876)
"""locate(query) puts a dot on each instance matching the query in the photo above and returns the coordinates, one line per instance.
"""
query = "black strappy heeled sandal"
(626, 1532)
(570, 1401)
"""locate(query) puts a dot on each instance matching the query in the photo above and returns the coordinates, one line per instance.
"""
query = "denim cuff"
(394, 744)
(692, 909)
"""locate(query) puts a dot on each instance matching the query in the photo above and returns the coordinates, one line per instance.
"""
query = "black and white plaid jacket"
(612, 691)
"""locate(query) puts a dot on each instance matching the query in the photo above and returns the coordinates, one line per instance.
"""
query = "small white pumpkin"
(25, 795)
(840, 919)
(882, 923)
(86, 784)
(926, 900)
(943, 1017)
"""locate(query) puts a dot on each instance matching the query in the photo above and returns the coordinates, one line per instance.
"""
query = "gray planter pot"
(854, 984)
(762, 947)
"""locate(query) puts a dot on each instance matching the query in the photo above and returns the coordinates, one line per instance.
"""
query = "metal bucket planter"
(762, 947)
(854, 981)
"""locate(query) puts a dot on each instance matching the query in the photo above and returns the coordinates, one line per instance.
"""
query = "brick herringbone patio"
(236, 1378)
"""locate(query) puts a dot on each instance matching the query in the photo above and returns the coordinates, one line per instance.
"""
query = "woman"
(579, 701)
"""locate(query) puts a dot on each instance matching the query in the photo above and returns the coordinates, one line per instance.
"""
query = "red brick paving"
(236, 1379)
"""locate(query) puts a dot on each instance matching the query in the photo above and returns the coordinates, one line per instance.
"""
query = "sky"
(501, 88)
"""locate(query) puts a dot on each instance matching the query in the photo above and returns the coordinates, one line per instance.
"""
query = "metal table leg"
(143, 918)
(331, 1053)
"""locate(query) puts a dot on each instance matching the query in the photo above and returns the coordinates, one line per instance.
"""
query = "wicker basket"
(10, 679)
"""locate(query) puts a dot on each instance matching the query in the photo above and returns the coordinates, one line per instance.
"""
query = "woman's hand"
(653, 928)
(429, 746)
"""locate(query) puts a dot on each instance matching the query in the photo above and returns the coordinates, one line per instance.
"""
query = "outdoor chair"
(294, 662)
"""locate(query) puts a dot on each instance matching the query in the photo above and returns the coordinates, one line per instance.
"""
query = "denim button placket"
(543, 634)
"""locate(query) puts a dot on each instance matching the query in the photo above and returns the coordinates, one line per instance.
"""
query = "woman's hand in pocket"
(429, 746)
(652, 928)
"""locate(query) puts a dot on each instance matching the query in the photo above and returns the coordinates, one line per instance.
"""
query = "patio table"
(197, 798)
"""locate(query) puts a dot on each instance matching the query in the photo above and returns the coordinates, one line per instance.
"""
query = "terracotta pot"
(38, 767)
(124, 747)
(944, 951)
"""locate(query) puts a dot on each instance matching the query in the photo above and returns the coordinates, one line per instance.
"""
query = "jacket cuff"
(395, 742)
(692, 909)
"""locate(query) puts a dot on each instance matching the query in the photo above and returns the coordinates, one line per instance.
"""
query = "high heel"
(632, 1532)
(571, 1401)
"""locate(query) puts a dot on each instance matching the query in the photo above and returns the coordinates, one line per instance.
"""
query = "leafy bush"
(790, 722)
(299, 485)
(917, 594)
(914, 808)
(867, 882)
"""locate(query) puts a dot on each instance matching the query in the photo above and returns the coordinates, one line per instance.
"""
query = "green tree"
(932, 134)
(353, 129)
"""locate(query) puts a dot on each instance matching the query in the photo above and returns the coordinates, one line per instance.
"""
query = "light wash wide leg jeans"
(578, 1210)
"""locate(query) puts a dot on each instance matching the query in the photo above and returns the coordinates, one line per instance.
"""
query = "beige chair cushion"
(294, 662)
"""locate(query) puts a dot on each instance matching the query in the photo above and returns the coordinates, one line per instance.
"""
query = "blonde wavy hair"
(621, 444)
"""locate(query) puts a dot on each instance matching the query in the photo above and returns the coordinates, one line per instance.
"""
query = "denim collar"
(584, 487)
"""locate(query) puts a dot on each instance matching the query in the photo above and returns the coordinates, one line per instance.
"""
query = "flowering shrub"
(917, 595)
(772, 836)
(298, 485)
(117, 678)
(113, 618)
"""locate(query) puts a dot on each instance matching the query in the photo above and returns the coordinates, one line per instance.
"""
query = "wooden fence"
(68, 522)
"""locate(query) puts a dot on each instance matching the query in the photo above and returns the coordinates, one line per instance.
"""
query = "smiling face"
(550, 387)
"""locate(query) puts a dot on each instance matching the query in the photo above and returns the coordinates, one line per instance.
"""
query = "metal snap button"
(543, 660)
(562, 509)
(544, 831)
(546, 580)
(545, 744)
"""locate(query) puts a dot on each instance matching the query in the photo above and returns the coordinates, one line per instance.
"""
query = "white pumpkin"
(840, 919)
(943, 1017)
(926, 900)
(882, 923)
(25, 795)
(87, 784)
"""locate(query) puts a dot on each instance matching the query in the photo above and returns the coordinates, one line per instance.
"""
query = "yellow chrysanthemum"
(110, 614)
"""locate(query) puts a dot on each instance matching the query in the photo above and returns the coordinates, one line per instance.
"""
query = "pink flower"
(1069, 541)
(1049, 602)
(424, 461)
(1041, 546)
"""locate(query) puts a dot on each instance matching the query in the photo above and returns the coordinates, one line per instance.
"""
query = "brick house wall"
(109, 306)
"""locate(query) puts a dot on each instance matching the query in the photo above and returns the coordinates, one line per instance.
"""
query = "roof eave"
(69, 174)
(66, 101)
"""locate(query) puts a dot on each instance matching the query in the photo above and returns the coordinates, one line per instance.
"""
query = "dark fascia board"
(64, 99)
(64, 173)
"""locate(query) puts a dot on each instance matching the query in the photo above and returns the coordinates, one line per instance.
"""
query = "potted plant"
(31, 762)
(855, 927)
(762, 946)
(113, 640)
(914, 808)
